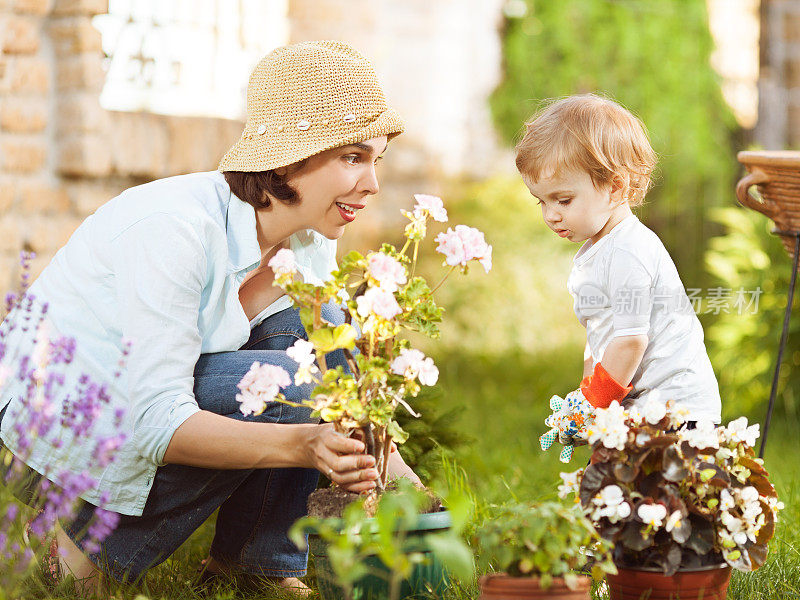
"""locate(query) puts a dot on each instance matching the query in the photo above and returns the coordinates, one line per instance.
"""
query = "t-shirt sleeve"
(631, 293)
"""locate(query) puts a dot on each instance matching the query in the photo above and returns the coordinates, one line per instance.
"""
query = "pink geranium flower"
(463, 244)
(283, 263)
(432, 204)
(379, 302)
(261, 384)
(388, 271)
(412, 364)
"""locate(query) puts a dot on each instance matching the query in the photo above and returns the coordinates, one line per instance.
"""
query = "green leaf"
(454, 554)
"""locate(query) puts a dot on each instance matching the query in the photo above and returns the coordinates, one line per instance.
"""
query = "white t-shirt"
(626, 284)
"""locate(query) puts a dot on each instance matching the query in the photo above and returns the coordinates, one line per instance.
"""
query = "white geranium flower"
(301, 352)
(411, 364)
(652, 514)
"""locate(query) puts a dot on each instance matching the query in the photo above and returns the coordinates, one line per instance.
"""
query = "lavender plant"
(23, 532)
(388, 297)
(671, 497)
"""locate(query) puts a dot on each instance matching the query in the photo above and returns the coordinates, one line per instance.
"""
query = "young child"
(588, 161)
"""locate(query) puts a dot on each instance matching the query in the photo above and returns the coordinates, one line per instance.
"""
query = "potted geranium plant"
(383, 297)
(540, 551)
(681, 505)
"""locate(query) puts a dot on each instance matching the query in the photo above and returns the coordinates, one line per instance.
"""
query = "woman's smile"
(348, 211)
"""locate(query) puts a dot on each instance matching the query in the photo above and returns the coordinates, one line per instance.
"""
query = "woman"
(177, 268)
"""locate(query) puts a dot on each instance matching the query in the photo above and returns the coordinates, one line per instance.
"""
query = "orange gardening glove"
(601, 390)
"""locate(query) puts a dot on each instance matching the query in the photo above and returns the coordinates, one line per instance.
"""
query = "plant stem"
(446, 275)
(323, 365)
(389, 349)
(414, 260)
(405, 246)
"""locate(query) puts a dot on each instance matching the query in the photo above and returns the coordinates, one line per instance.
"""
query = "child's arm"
(623, 356)
(620, 361)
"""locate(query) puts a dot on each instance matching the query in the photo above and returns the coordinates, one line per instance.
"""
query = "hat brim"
(250, 154)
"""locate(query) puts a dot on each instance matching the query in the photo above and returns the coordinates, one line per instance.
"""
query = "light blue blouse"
(159, 266)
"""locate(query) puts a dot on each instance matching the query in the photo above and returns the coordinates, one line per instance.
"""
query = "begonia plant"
(383, 296)
(673, 497)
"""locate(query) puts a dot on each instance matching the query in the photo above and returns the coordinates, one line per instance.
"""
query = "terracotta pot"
(777, 175)
(505, 587)
(706, 583)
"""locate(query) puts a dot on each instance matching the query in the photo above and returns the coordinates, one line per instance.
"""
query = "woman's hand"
(341, 459)
(399, 468)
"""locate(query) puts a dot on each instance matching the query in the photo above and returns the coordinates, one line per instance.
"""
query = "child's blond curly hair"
(589, 133)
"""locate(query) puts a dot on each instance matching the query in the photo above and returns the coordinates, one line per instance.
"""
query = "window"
(186, 57)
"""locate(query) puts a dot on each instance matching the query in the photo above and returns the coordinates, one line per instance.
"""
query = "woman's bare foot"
(88, 578)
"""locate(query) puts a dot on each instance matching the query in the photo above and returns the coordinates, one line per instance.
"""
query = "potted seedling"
(397, 553)
(540, 551)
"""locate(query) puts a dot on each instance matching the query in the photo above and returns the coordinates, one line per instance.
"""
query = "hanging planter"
(704, 583)
(777, 176)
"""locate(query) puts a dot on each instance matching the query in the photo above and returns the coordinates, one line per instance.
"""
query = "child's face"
(575, 209)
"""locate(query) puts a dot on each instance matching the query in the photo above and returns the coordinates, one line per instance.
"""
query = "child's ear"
(619, 185)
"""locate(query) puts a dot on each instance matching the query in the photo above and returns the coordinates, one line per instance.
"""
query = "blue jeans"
(256, 506)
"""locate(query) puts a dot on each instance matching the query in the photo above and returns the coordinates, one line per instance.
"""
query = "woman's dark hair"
(258, 188)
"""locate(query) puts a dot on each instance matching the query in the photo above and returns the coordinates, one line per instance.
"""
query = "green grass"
(500, 403)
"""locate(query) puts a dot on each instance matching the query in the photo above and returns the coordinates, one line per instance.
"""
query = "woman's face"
(333, 185)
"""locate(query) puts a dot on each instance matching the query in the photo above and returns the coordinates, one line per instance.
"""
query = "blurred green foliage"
(653, 57)
(523, 303)
(743, 345)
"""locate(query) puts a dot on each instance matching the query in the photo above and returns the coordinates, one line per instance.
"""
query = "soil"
(331, 502)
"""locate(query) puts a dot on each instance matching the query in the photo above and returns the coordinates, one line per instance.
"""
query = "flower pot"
(425, 579)
(777, 175)
(704, 583)
(505, 587)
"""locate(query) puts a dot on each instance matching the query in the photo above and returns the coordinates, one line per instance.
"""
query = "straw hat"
(306, 98)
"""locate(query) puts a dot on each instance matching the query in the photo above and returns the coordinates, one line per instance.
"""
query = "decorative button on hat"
(307, 98)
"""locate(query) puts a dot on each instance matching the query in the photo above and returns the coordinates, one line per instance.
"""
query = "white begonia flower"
(611, 504)
(378, 301)
(570, 485)
(609, 427)
(749, 494)
(705, 435)
(738, 431)
(726, 501)
(677, 415)
(635, 415)
(673, 521)
(652, 514)
(654, 411)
